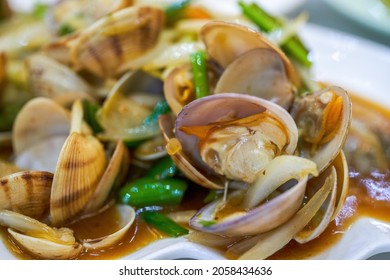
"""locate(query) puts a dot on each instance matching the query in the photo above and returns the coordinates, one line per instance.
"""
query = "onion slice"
(280, 170)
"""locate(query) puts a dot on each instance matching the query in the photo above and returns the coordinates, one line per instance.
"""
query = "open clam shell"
(49, 78)
(337, 177)
(114, 40)
(230, 106)
(41, 125)
(39, 239)
(166, 123)
(115, 171)
(179, 88)
(127, 216)
(33, 117)
(323, 154)
(227, 41)
(26, 192)
(79, 169)
(46, 249)
(270, 210)
(258, 72)
(128, 104)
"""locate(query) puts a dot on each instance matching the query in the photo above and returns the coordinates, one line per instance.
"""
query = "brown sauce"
(369, 195)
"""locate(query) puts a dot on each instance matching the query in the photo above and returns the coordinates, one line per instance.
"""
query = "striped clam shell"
(26, 192)
(115, 39)
(80, 167)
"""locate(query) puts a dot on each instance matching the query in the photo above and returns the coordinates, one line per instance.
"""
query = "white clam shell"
(260, 211)
(259, 72)
(226, 41)
(46, 249)
(203, 112)
(127, 216)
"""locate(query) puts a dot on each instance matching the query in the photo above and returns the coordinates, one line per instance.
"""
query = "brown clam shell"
(116, 39)
(26, 192)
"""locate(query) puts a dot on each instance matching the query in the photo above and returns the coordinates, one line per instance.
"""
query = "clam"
(225, 42)
(113, 175)
(323, 119)
(337, 174)
(79, 168)
(130, 101)
(325, 196)
(269, 202)
(112, 41)
(265, 244)
(45, 242)
(178, 85)
(41, 125)
(240, 60)
(127, 217)
(258, 72)
(49, 78)
(26, 192)
(77, 14)
(234, 142)
(38, 238)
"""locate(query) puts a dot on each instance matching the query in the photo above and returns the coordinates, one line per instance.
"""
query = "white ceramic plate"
(370, 13)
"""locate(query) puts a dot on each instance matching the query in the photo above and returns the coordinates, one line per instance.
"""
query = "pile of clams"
(80, 185)
(276, 154)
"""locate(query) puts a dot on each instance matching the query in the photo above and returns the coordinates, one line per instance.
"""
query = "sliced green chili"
(267, 23)
(162, 169)
(163, 223)
(199, 73)
(149, 191)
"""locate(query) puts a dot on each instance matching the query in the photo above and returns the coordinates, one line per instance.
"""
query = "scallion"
(292, 46)
(199, 73)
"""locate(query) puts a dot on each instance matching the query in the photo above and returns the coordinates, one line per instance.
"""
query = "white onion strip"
(280, 170)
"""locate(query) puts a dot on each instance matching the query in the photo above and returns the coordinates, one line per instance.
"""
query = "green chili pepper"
(162, 169)
(199, 73)
(164, 224)
(267, 23)
(90, 110)
(149, 191)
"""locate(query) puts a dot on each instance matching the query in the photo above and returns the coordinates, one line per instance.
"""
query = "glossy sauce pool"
(369, 195)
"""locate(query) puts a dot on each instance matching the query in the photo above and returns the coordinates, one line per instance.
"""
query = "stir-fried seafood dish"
(124, 122)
